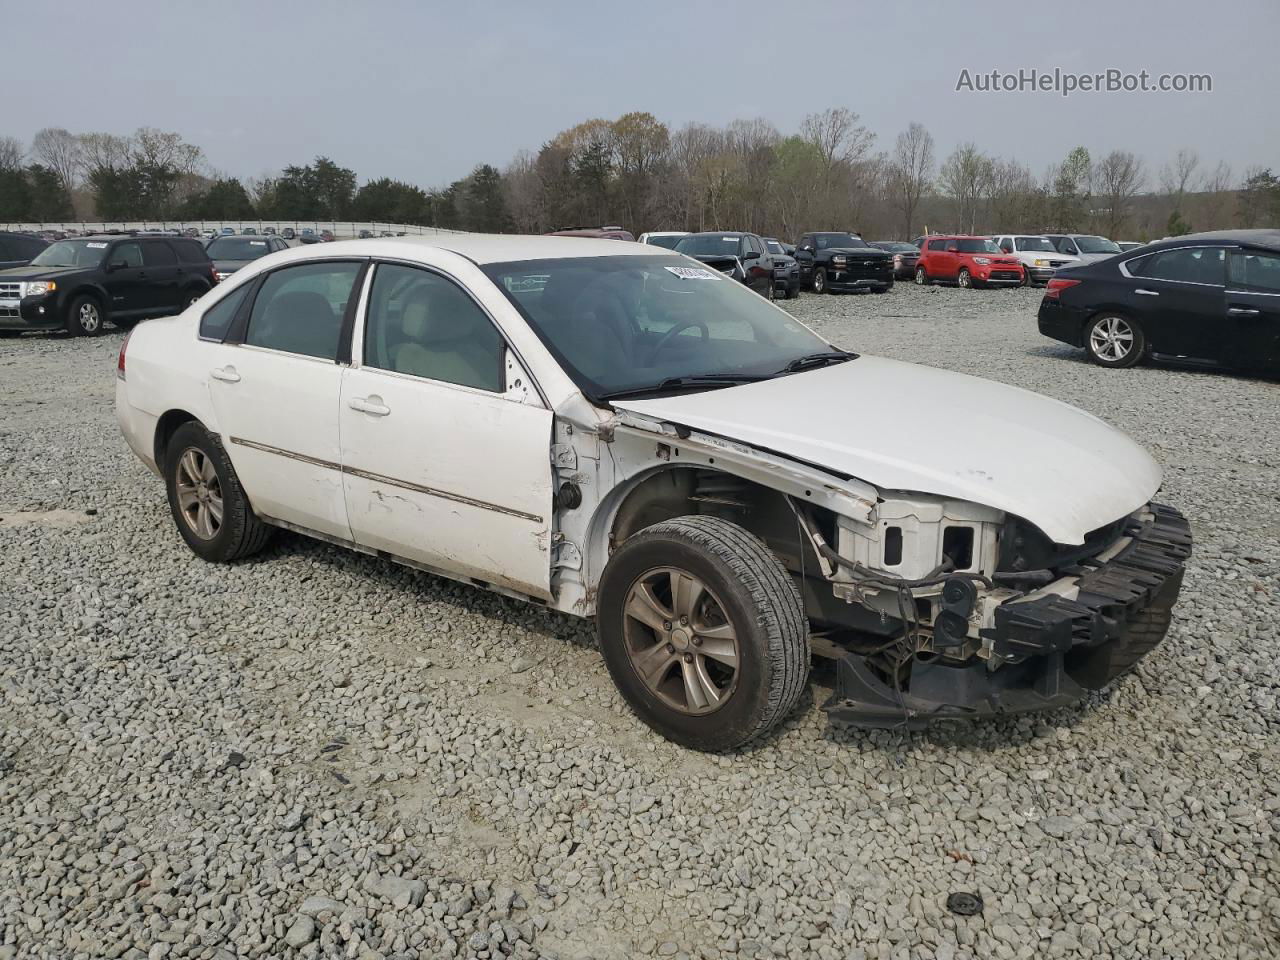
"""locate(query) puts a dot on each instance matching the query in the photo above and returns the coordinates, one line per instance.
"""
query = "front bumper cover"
(1061, 648)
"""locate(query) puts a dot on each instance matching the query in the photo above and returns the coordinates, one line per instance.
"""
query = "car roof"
(1266, 239)
(483, 248)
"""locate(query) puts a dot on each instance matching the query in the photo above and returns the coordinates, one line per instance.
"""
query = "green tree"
(486, 204)
(224, 199)
(1177, 226)
(1068, 205)
(319, 191)
(391, 201)
(15, 195)
(1259, 200)
(50, 200)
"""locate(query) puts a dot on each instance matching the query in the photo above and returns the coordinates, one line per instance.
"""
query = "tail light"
(213, 274)
(120, 359)
(1056, 285)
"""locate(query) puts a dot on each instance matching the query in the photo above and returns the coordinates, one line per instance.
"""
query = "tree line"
(637, 172)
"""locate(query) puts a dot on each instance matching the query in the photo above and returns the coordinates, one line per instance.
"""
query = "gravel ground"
(316, 754)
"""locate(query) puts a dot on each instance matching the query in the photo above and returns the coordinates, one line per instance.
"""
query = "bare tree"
(103, 151)
(1118, 178)
(910, 172)
(11, 154)
(1178, 177)
(1216, 196)
(1012, 196)
(59, 150)
(963, 179)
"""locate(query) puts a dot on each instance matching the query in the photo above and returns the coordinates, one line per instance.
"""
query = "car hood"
(866, 253)
(901, 426)
(29, 272)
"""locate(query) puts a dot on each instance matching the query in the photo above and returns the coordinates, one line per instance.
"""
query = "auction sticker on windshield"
(96, 246)
(692, 273)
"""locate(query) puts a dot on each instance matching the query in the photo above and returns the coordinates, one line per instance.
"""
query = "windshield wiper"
(700, 380)
(815, 360)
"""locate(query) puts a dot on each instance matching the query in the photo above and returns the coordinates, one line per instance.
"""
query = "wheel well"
(168, 423)
(90, 292)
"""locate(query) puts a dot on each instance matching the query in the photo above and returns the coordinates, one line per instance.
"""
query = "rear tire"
(208, 504)
(740, 607)
(1113, 340)
(85, 317)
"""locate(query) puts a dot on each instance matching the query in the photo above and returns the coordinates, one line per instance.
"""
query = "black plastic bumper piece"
(1051, 651)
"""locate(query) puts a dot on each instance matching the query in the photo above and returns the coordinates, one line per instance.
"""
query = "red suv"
(968, 261)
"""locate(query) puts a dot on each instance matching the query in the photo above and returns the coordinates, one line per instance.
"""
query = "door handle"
(1147, 293)
(1242, 312)
(372, 405)
(226, 374)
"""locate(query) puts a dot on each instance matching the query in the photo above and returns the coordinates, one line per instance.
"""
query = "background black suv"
(79, 284)
(17, 249)
(742, 256)
(837, 261)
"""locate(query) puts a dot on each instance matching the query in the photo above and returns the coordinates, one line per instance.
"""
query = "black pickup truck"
(833, 262)
(78, 285)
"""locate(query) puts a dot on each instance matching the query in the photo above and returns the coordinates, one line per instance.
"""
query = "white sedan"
(613, 430)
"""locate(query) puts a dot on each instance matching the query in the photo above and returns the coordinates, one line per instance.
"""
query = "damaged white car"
(616, 431)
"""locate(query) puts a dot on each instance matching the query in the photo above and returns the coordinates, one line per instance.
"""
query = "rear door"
(1253, 310)
(275, 385)
(441, 465)
(1177, 297)
(161, 276)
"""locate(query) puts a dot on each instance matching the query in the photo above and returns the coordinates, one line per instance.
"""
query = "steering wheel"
(680, 326)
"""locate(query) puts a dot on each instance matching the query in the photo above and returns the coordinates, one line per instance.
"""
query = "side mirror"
(751, 255)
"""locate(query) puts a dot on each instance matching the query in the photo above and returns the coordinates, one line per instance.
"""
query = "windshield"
(1035, 244)
(668, 243)
(237, 248)
(1096, 245)
(774, 246)
(71, 253)
(828, 240)
(626, 323)
(977, 245)
(709, 244)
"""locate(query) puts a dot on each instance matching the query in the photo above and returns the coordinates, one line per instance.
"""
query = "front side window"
(1204, 265)
(628, 323)
(1255, 271)
(422, 324)
(937, 245)
(299, 309)
(129, 254)
(977, 245)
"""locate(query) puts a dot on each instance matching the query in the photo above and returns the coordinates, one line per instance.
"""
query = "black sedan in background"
(742, 256)
(905, 257)
(229, 254)
(1207, 299)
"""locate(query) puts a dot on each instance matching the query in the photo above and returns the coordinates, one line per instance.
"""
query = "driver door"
(125, 280)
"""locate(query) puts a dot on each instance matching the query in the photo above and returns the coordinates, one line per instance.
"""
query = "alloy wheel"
(89, 317)
(1111, 339)
(680, 641)
(199, 493)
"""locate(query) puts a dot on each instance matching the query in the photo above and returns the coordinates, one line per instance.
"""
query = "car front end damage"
(1003, 621)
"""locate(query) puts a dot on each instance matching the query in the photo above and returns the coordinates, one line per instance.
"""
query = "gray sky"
(425, 91)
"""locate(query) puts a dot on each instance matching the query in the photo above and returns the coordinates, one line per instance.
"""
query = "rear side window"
(1187, 265)
(217, 319)
(189, 251)
(299, 309)
(1255, 271)
(159, 254)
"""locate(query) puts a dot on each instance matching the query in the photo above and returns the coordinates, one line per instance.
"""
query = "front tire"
(85, 317)
(820, 280)
(922, 278)
(703, 632)
(965, 279)
(205, 497)
(1113, 340)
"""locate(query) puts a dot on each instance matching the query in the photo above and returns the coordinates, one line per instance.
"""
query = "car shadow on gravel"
(1077, 355)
